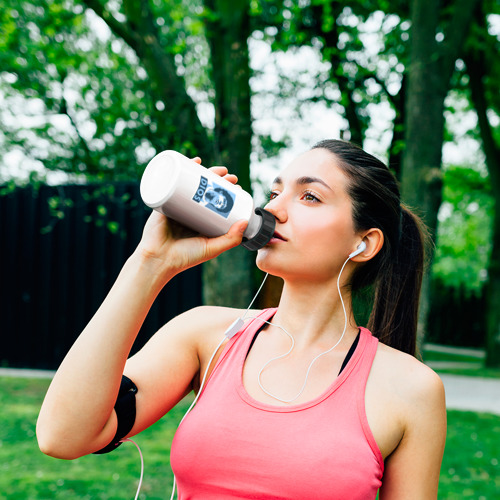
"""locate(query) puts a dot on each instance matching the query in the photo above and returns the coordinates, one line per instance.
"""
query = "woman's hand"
(177, 248)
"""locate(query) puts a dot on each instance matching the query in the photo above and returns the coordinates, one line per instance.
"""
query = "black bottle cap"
(265, 232)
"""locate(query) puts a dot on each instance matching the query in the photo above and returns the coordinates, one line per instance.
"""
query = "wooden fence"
(61, 248)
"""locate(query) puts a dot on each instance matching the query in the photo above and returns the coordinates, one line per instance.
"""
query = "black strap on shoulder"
(351, 352)
(125, 412)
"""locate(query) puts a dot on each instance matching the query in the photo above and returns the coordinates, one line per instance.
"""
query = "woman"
(340, 416)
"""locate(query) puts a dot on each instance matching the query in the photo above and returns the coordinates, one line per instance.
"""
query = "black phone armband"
(125, 413)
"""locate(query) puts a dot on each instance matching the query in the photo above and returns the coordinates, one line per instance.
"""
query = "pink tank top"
(233, 447)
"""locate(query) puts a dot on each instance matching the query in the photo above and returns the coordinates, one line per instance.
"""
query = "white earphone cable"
(197, 397)
(142, 466)
(293, 343)
(255, 296)
(208, 367)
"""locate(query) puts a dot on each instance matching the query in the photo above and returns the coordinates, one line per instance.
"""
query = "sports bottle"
(183, 190)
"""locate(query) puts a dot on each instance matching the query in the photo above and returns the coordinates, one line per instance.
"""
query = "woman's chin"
(265, 263)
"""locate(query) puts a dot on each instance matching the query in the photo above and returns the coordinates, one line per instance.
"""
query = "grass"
(451, 357)
(458, 364)
(470, 467)
(471, 464)
(25, 473)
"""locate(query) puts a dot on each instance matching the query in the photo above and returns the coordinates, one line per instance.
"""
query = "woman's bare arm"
(77, 414)
(412, 470)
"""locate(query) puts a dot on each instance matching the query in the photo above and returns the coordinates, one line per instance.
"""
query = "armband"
(125, 413)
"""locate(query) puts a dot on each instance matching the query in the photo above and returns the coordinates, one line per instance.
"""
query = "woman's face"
(314, 228)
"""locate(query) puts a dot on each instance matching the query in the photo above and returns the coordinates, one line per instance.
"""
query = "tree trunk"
(228, 279)
(421, 179)
(477, 68)
(431, 66)
(396, 149)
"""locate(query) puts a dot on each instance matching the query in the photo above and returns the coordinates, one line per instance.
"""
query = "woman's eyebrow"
(311, 180)
(304, 180)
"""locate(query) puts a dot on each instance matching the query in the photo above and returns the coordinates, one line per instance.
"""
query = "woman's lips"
(277, 237)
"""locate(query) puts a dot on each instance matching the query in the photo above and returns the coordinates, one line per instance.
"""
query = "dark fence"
(457, 318)
(61, 248)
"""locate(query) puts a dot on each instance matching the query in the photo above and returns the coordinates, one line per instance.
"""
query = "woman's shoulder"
(216, 314)
(210, 320)
(207, 326)
(409, 379)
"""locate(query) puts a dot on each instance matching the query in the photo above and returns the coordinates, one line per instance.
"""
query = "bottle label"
(216, 198)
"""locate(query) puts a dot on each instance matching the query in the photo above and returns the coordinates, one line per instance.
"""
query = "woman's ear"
(374, 240)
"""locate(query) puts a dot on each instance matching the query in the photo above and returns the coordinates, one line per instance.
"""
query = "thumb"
(215, 246)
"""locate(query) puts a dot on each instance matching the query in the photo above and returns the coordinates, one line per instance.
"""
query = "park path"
(462, 392)
(472, 393)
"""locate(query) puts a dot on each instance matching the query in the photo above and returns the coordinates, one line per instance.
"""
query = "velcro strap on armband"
(125, 413)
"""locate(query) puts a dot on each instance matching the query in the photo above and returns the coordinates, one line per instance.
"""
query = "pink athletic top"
(233, 447)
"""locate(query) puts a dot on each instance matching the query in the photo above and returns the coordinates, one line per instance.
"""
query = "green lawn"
(459, 364)
(470, 469)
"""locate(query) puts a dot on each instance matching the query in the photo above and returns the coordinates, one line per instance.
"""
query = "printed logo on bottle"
(215, 197)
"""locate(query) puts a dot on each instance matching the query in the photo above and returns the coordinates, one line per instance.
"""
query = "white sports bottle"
(197, 198)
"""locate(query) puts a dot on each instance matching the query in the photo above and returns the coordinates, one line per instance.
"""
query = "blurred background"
(91, 90)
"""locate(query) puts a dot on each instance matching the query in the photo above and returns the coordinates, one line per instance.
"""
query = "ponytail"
(396, 272)
(394, 315)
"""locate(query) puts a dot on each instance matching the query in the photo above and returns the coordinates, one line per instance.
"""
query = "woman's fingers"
(215, 246)
(223, 172)
(219, 170)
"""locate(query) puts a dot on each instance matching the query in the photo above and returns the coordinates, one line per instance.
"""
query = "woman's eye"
(310, 197)
(272, 195)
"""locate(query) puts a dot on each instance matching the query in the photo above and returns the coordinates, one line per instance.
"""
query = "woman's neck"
(314, 313)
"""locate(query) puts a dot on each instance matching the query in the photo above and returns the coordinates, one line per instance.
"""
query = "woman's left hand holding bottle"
(175, 248)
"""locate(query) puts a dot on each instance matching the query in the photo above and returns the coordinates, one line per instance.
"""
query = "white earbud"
(361, 248)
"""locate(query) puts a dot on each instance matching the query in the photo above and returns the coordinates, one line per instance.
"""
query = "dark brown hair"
(396, 271)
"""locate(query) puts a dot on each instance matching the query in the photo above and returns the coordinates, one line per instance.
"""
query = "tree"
(134, 91)
(483, 70)
(96, 110)
(228, 30)
(437, 36)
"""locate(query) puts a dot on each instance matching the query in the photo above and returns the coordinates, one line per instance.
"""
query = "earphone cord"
(142, 466)
(255, 296)
(293, 344)
(208, 366)
(228, 334)
(196, 398)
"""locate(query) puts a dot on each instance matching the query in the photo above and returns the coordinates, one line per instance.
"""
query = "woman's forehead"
(316, 163)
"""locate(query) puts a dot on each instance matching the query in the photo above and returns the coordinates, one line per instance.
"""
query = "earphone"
(361, 248)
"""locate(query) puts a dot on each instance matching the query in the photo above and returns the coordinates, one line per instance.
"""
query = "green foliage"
(464, 235)
(77, 98)
(364, 43)
(89, 105)
(268, 147)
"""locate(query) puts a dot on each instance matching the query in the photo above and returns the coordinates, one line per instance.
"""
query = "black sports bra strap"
(346, 359)
(351, 352)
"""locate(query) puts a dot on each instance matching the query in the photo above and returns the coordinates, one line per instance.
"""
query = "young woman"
(300, 403)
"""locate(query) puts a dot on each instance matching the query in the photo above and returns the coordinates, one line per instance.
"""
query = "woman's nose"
(276, 206)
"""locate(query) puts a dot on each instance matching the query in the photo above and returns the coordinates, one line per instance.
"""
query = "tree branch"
(118, 28)
(141, 33)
